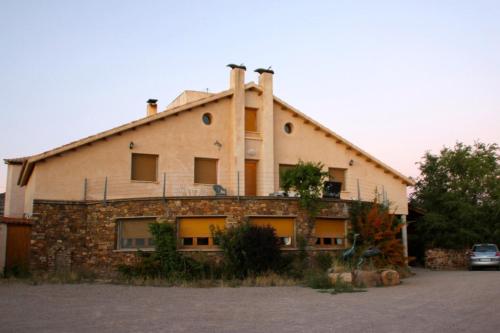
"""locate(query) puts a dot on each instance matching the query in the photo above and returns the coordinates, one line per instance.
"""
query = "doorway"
(251, 177)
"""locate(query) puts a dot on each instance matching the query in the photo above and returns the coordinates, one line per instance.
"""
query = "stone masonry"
(76, 235)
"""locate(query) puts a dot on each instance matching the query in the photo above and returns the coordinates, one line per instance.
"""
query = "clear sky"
(396, 78)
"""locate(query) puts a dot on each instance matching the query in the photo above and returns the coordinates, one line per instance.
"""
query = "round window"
(288, 128)
(207, 118)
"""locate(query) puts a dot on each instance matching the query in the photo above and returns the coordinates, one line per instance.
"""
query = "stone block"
(390, 278)
(367, 278)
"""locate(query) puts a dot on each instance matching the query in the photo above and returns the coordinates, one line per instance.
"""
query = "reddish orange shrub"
(378, 228)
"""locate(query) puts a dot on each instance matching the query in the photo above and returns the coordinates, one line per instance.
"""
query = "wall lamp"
(351, 162)
(131, 145)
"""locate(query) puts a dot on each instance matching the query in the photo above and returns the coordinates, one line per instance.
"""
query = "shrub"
(323, 261)
(249, 250)
(316, 279)
(377, 227)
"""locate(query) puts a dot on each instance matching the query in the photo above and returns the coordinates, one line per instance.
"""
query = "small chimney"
(152, 108)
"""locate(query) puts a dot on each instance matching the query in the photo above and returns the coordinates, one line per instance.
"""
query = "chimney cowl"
(233, 66)
(151, 101)
(264, 70)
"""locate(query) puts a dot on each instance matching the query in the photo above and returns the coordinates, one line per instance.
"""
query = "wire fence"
(182, 184)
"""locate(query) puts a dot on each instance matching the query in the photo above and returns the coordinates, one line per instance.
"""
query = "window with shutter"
(144, 167)
(205, 171)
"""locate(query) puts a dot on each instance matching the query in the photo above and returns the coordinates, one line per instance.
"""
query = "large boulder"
(367, 278)
(344, 277)
(390, 278)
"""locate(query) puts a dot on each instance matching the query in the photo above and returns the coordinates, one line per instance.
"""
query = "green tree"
(306, 178)
(459, 189)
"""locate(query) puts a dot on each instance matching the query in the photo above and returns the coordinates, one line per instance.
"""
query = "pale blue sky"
(396, 78)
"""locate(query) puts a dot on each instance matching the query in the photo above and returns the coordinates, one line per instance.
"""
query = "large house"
(91, 200)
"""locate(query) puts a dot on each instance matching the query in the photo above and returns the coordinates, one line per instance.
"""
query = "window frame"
(216, 170)
(118, 233)
(334, 238)
(344, 170)
(293, 241)
(289, 166)
(132, 168)
(256, 120)
(194, 246)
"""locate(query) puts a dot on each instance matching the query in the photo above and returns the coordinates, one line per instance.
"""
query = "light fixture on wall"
(351, 162)
(131, 145)
(218, 144)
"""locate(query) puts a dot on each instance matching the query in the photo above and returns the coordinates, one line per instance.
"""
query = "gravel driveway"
(428, 302)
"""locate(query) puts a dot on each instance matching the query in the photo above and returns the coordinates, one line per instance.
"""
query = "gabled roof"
(29, 162)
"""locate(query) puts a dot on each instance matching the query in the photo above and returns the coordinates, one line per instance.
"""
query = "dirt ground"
(458, 301)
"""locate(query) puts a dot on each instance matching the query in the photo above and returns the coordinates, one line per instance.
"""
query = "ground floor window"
(330, 232)
(284, 226)
(133, 233)
(196, 232)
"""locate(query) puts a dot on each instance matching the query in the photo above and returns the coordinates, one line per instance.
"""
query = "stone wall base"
(446, 259)
(82, 236)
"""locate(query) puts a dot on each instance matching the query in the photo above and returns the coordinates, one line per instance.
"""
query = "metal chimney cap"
(264, 70)
(233, 66)
(152, 101)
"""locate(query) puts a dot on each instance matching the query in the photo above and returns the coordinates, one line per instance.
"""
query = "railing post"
(164, 184)
(105, 189)
(85, 189)
(238, 180)
(359, 191)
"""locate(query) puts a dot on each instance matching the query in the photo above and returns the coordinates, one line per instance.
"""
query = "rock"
(367, 278)
(390, 278)
(344, 277)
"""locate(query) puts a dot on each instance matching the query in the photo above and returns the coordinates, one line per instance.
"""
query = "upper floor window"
(250, 120)
(144, 167)
(205, 170)
(282, 169)
(337, 175)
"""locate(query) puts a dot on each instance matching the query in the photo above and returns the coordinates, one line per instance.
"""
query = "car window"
(484, 248)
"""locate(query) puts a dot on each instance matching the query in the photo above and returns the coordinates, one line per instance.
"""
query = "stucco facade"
(99, 167)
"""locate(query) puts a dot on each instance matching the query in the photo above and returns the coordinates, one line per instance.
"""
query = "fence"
(181, 184)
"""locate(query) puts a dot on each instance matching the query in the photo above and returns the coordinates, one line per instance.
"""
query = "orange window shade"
(205, 171)
(199, 226)
(144, 167)
(136, 228)
(284, 226)
(337, 175)
(283, 168)
(250, 120)
(330, 228)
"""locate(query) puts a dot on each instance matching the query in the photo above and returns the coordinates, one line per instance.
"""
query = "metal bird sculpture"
(348, 254)
(233, 66)
(368, 253)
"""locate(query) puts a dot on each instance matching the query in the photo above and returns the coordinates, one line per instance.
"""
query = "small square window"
(133, 233)
(327, 241)
(202, 241)
(205, 171)
(187, 241)
(144, 167)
